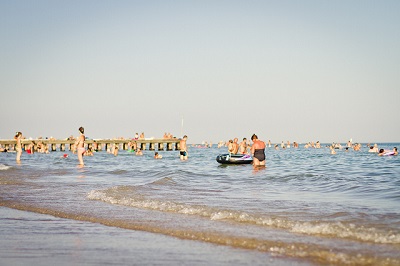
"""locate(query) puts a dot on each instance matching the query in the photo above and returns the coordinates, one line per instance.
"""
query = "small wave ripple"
(4, 167)
(341, 230)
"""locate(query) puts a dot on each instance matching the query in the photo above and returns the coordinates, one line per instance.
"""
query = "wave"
(341, 230)
(4, 167)
(308, 251)
(163, 181)
(118, 172)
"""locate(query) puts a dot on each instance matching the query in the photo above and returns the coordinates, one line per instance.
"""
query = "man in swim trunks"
(243, 146)
(183, 149)
(257, 151)
(235, 146)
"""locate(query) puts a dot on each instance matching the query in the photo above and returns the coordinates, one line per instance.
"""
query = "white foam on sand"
(4, 167)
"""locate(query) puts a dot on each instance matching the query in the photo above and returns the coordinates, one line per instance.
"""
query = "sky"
(213, 70)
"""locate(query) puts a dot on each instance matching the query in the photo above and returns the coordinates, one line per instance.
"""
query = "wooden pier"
(101, 144)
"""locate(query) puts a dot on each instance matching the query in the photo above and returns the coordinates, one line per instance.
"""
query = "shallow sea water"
(306, 207)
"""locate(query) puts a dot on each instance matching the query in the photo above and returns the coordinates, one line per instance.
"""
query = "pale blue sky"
(286, 70)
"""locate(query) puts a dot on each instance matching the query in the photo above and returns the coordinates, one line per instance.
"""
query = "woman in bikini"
(80, 146)
(257, 150)
(18, 147)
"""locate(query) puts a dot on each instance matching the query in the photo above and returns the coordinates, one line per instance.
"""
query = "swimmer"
(349, 144)
(258, 151)
(18, 146)
(235, 146)
(381, 152)
(357, 147)
(243, 146)
(95, 146)
(89, 152)
(230, 146)
(183, 149)
(80, 145)
(115, 150)
(31, 148)
(157, 156)
(139, 152)
(318, 145)
(373, 148)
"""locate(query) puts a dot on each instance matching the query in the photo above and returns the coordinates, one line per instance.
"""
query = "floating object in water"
(389, 153)
(234, 159)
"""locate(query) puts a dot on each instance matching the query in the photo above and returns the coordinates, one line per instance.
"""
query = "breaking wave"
(342, 230)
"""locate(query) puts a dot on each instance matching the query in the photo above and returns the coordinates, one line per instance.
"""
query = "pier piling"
(54, 144)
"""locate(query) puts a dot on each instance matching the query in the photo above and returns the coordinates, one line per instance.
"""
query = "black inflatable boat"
(234, 159)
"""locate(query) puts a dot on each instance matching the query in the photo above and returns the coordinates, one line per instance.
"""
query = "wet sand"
(36, 239)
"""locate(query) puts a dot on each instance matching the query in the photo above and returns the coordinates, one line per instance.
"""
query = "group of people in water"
(256, 150)
(79, 147)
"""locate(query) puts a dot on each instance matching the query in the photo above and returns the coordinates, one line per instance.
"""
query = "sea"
(306, 207)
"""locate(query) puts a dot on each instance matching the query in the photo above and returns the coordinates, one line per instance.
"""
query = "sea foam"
(317, 228)
(4, 167)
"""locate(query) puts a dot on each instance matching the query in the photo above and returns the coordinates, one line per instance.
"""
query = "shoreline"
(41, 239)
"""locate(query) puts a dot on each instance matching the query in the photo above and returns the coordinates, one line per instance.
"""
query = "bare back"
(81, 141)
(257, 145)
(182, 145)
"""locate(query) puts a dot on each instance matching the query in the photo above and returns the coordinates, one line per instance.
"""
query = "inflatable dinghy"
(389, 153)
(234, 159)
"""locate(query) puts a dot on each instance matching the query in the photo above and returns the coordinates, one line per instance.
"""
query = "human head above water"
(82, 130)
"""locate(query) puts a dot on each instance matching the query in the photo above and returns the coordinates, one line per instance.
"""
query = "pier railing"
(102, 144)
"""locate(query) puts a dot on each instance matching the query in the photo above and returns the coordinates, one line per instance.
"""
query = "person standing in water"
(235, 146)
(80, 145)
(18, 146)
(243, 146)
(183, 149)
(258, 151)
